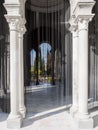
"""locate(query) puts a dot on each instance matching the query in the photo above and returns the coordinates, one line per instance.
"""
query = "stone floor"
(45, 97)
(46, 110)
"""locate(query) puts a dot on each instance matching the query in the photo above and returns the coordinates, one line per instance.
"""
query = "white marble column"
(75, 72)
(83, 68)
(84, 119)
(22, 108)
(14, 120)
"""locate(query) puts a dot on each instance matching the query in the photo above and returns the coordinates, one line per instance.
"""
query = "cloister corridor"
(48, 64)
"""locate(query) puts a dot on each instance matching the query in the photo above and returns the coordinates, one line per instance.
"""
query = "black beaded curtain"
(48, 25)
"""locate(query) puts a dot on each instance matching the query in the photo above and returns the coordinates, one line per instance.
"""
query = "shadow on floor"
(31, 118)
(47, 98)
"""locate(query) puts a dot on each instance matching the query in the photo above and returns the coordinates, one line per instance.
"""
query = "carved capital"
(21, 27)
(73, 28)
(83, 24)
(13, 22)
(83, 21)
(73, 24)
(21, 31)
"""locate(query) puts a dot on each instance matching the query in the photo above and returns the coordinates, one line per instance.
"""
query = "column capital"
(21, 31)
(21, 26)
(74, 28)
(13, 21)
(83, 21)
(73, 24)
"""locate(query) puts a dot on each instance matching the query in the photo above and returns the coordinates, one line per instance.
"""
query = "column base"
(86, 123)
(14, 122)
(23, 112)
(73, 111)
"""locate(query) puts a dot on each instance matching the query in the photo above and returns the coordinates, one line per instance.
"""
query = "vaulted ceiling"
(43, 5)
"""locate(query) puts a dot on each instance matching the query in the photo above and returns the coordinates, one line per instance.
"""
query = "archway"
(41, 65)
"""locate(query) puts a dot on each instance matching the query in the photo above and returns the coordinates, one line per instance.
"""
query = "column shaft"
(13, 69)
(75, 76)
(22, 108)
(75, 68)
(83, 69)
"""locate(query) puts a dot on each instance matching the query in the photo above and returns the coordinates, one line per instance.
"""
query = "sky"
(44, 47)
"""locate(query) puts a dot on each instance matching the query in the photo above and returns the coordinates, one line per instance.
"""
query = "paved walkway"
(57, 119)
(46, 111)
